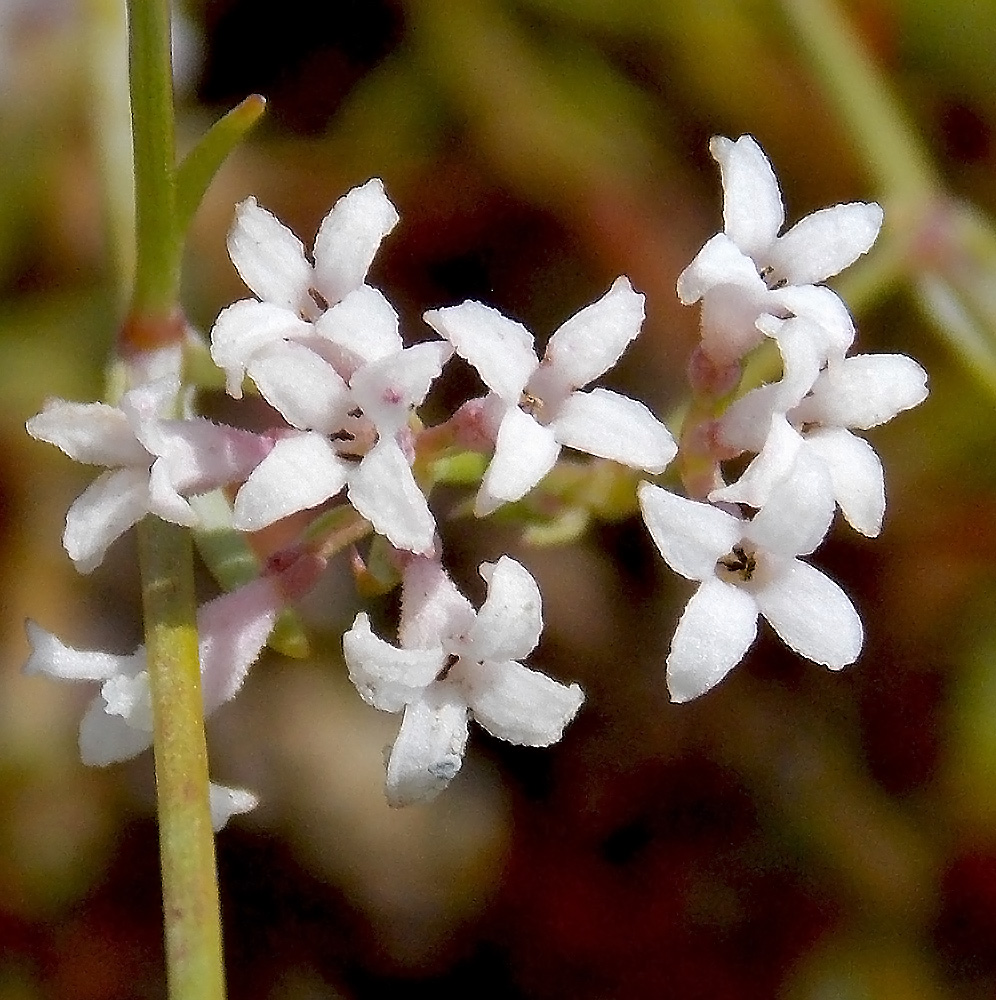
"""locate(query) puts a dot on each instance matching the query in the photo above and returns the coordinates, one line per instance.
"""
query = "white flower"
(746, 568)
(325, 304)
(534, 408)
(136, 483)
(118, 724)
(346, 435)
(748, 269)
(814, 413)
(226, 802)
(454, 664)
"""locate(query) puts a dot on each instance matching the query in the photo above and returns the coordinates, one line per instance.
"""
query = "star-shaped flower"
(748, 269)
(814, 411)
(326, 303)
(232, 630)
(454, 664)
(746, 568)
(535, 408)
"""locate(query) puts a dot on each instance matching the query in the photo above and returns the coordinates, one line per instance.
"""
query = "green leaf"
(195, 174)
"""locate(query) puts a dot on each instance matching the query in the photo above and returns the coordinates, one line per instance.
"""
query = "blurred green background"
(793, 834)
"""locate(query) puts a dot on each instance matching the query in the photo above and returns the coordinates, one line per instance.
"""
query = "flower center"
(738, 562)
(769, 277)
(530, 404)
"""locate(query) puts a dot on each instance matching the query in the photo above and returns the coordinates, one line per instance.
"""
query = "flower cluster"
(324, 349)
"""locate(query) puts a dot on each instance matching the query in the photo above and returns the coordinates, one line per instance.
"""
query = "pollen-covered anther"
(739, 562)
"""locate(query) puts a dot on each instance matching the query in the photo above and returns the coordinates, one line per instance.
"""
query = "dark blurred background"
(793, 834)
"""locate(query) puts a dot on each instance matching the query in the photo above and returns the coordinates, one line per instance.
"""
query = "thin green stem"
(158, 240)
(186, 840)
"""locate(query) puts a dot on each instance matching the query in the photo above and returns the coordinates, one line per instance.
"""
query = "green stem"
(186, 840)
(158, 240)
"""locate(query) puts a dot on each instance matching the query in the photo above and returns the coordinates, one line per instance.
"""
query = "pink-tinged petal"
(245, 327)
(269, 257)
(510, 620)
(517, 704)
(746, 424)
(384, 491)
(164, 501)
(525, 451)
(797, 513)
(88, 432)
(363, 327)
(691, 536)
(772, 464)
(593, 340)
(108, 739)
(432, 609)
(864, 391)
(227, 802)
(387, 389)
(610, 425)
(811, 614)
(51, 656)
(387, 677)
(714, 632)
(233, 629)
(824, 243)
(752, 201)
(349, 237)
(201, 455)
(429, 748)
(301, 472)
(819, 305)
(856, 473)
(306, 390)
(499, 348)
(108, 507)
(719, 262)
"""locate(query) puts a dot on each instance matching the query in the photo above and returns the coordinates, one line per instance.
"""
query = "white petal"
(797, 512)
(233, 630)
(804, 347)
(108, 507)
(227, 802)
(349, 237)
(729, 319)
(384, 491)
(821, 244)
(746, 424)
(719, 262)
(387, 389)
(714, 632)
(363, 327)
(51, 656)
(520, 705)
(129, 698)
(163, 499)
(593, 340)
(510, 620)
(429, 749)
(691, 536)
(269, 257)
(242, 329)
(752, 202)
(301, 472)
(107, 739)
(821, 306)
(306, 390)
(525, 451)
(88, 432)
(864, 391)
(432, 609)
(772, 464)
(813, 616)
(856, 472)
(610, 425)
(499, 348)
(387, 677)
